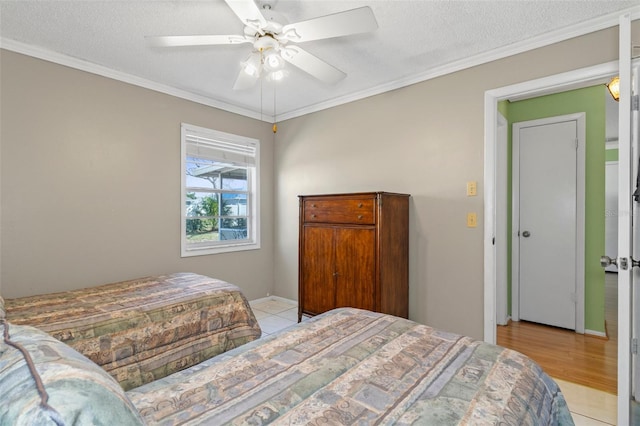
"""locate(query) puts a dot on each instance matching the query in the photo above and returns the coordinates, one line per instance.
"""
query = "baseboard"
(506, 322)
(596, 333)
(278, 298)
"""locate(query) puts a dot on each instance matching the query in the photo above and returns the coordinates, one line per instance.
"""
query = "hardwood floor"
(578, 358)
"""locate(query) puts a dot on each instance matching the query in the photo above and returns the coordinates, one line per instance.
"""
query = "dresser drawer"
(347, 210)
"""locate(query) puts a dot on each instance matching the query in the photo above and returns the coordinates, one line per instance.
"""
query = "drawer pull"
(360, 205)
(313, 216)
(313, 205)
(359, 217)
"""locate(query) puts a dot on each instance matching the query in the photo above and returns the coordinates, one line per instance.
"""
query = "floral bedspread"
(350, 366)
(144, 329)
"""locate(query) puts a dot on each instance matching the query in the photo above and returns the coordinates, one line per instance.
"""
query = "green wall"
(590, 100)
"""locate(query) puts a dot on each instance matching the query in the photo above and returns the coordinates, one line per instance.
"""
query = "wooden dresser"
(354, 251)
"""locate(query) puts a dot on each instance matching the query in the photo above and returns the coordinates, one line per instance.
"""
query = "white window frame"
(253, 197)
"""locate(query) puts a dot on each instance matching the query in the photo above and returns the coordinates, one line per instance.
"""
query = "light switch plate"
(472, 188)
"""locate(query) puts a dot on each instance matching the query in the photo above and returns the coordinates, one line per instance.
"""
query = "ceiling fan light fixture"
(273, 61)
(614, 88)
(276, 75)
(251, 70)
(252, 65)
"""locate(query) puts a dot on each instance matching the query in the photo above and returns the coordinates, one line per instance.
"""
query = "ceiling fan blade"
(354, 21)
(248, 12)
(312, 65)
(196, 40)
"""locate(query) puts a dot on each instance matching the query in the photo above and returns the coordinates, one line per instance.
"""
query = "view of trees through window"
(216, 201)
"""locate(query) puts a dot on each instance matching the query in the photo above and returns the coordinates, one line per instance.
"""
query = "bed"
(350, 366)
(184, 349)
(143, 329)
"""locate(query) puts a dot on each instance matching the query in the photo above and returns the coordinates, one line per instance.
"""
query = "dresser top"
(357, 194)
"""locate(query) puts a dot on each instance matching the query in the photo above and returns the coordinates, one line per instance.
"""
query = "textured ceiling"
(413, 41)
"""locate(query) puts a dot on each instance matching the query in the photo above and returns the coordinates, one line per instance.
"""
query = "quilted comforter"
(144, 329)
(350, 366)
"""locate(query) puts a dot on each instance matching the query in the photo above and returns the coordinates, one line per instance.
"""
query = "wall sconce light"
(614, 87)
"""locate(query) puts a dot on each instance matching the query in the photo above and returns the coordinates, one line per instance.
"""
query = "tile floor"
(274, 313)
(589, 407)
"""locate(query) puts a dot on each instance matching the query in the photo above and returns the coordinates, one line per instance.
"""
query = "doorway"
(599, 74)
(494, 196)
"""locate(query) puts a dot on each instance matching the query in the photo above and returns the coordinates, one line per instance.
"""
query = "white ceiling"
(416, 40)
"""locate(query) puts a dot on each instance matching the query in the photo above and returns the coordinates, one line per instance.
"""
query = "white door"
(634, 316)
(546, 225)
(627, 161)
(611, 212)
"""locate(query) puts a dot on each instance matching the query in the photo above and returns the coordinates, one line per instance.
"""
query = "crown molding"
(593, 25)
(82, 65)
(597, 24)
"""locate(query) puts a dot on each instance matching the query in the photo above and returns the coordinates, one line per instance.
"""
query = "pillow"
(79, 392)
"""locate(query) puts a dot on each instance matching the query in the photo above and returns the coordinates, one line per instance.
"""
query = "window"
(220, 202)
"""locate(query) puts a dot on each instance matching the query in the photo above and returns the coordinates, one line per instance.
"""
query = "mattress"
(350, 366)
(144, 329)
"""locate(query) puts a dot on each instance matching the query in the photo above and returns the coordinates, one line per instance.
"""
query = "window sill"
(218, 249)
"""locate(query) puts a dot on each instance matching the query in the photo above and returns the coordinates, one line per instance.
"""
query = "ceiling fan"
(274, 40)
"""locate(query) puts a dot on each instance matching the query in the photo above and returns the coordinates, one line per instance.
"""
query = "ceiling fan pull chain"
(275, 126)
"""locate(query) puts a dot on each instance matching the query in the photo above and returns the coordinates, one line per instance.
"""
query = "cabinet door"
(355, 267)
(318, 281)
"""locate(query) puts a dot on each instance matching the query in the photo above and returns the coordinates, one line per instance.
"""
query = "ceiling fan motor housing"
(266, 42)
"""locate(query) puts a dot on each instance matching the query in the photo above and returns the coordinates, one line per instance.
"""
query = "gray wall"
(426, 140)
(90, 178)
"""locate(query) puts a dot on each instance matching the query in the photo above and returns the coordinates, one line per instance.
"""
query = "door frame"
(580, 119)
(493, 199)
(500, 221)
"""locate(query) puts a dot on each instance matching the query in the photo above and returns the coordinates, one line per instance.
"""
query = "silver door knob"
(607, 261)
(526, 234)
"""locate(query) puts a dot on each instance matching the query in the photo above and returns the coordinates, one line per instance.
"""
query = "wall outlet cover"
(472, 220)
(472, 188)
